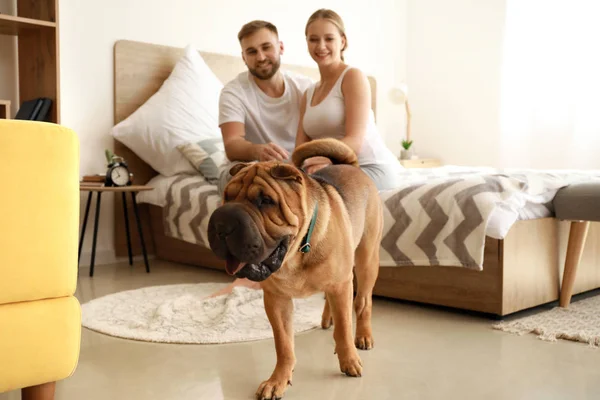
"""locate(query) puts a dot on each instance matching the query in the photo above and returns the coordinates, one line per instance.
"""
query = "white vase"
(406, 154)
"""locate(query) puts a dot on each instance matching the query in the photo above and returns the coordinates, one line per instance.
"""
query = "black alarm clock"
(117, 173)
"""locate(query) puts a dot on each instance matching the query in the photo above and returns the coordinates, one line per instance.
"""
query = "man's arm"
(233, 131)
(231, 122)
(237, 147)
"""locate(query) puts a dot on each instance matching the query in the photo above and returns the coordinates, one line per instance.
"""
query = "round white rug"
(182, 314)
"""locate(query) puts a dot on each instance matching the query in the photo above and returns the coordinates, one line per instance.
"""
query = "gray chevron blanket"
(438, 216)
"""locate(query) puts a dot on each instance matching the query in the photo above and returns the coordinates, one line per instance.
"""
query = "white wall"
(454, 53)
(377, 44)
(8, 61)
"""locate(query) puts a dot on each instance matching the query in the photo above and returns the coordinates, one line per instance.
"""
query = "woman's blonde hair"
(332, 17)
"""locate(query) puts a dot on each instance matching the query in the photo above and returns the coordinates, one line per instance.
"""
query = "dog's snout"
(232, 232)
(224, 229)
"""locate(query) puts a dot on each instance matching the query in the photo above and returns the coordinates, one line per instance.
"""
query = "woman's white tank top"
(327, 119)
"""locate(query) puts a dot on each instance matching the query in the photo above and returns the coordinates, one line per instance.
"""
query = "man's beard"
(267, 75)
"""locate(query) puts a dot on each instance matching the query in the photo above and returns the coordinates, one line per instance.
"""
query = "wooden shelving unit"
(4, 109)
(10, 25)
(36, 27)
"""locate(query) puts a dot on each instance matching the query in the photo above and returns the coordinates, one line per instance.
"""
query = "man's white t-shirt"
(266, 119)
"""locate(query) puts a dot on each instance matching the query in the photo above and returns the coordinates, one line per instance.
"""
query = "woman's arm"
(357, 100)
(301, 136)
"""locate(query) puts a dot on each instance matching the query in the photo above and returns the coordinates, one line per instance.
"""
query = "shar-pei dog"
(299, 234)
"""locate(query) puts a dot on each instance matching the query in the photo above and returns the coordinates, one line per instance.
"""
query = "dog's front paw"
(275, 387)
(364, 341)
(350, 363)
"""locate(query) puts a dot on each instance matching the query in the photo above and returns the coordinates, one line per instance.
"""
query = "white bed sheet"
(158, 196)
(460, 198)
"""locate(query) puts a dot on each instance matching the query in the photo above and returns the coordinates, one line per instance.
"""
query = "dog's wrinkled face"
(259, 220)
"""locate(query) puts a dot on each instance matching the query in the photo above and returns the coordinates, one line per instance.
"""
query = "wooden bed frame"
(521, 271)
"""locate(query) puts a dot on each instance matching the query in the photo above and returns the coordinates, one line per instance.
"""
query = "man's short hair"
(254, 26)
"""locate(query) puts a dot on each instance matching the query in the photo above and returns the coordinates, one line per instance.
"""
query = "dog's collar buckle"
(305, 246)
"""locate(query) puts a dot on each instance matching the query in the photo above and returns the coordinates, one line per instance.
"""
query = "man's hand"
(271, 152)
(313, 164)
(238, 148)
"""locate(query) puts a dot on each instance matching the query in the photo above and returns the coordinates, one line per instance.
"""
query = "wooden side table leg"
(44, 391)
(95, 233)
(139, 225)
(127, 228)
(577, 236)
(85, 218)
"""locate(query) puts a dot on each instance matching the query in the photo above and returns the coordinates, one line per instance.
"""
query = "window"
(550, 105)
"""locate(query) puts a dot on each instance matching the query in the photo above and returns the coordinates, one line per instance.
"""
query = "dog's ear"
(287, 172)
(237, 168)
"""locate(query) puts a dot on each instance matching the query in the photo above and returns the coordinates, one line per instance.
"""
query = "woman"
(339, 105)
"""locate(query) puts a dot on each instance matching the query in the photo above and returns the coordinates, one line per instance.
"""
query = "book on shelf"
(94, 178)
(91, 184)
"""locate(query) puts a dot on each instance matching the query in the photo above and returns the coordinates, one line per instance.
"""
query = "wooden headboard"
(139, 71)
(141, 68)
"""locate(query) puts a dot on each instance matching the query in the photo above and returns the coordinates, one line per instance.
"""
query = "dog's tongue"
(233, 265)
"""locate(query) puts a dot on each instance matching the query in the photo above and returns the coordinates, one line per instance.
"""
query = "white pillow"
(185, 109)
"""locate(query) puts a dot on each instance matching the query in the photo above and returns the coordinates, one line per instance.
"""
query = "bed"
(502, 249)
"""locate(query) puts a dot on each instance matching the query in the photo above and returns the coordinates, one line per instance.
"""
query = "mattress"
(438, 216)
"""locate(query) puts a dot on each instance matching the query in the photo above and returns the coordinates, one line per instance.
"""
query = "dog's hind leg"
(366, 270)
(327, 317)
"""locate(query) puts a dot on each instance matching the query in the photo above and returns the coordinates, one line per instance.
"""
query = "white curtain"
(550, 106)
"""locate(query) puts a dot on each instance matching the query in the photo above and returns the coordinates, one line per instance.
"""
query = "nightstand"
(134, 189)
(421, 163)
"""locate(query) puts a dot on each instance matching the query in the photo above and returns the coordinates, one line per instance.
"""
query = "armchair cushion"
(578, 202)
(39, 341)
(39, 170)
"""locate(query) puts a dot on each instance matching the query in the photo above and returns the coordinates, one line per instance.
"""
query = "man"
(259, 109)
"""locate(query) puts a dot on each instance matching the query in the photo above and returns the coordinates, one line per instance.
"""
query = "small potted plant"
(406, 154)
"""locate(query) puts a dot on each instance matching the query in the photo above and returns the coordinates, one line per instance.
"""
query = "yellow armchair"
(40, 319)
